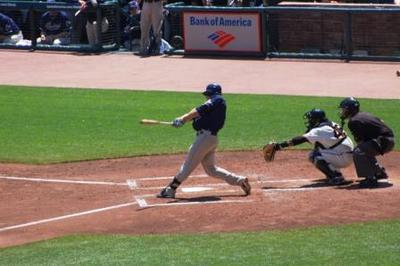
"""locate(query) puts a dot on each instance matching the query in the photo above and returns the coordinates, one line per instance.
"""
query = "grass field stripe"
(196, 203)
(32, 179)
(67, 216)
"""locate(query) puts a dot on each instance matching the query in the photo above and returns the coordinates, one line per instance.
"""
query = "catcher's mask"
(349, 106)
(212, 89)
(314, 117)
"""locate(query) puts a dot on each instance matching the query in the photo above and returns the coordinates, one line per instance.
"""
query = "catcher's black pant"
(364, 155)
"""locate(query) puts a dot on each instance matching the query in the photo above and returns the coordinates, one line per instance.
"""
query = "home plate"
(195, 189)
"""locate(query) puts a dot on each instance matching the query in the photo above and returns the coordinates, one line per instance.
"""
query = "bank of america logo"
(221, 38)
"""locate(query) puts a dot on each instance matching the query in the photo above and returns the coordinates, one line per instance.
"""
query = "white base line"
(196, 203)
(286, 180)
(132, 183)
(31, 179)
(213, 191)
(266, 190)
(166, 177)
(67, 216)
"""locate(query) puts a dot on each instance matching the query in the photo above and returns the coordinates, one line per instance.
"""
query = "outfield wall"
(300, 30)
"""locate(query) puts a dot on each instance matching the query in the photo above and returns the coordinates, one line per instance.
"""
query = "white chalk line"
(136, 186)
(67, 216)
(51, 180)
(146, 205)
(294, 189)
(166, 177)
(132, 183)
(141, 202)
(202, 193)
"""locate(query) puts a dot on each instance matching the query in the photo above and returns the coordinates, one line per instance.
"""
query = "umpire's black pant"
(365, 152)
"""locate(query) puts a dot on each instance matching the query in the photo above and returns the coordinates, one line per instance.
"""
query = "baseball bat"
(154, 122)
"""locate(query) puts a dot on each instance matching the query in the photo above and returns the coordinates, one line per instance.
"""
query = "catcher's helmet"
(314, 117)
(350, 106)
(213, 89)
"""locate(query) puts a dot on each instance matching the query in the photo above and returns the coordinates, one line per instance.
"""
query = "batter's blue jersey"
(212, 115)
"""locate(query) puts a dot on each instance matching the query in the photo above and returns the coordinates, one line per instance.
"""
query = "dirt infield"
(118, 196)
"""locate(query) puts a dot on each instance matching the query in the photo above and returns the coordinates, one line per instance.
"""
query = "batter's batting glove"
(178, 122)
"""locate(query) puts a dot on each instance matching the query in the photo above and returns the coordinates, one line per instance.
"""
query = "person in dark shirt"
(131, 31)
(207, 120)
(373, 138)
(9, 30)
(55, 28)
(91, 21)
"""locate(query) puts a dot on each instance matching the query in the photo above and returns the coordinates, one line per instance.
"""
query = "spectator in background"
(131, 33)
(91, 21)
(55, 28)
(9, 30)
(151, 18)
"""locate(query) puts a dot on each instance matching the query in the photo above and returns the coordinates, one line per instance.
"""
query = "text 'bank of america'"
(220, 21)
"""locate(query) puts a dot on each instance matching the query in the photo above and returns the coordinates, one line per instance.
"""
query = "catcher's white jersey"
(328, 136)
(332, 143)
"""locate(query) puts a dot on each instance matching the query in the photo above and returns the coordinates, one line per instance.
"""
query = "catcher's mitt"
(269, 151)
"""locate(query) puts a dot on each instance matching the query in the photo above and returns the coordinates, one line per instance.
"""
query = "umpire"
(208, 119)
(373, 137)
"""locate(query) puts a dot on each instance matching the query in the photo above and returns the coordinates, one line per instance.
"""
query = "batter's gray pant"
(364, 155)
(203, 151)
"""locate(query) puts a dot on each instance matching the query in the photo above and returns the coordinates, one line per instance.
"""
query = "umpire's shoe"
(245, 185)
(168, 193)
(369, 182)
(381, 174)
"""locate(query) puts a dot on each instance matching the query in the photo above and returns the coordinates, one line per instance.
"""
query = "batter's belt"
(203, 131)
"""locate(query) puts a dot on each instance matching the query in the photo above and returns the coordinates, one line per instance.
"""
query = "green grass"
(375, 243)
(48, 125)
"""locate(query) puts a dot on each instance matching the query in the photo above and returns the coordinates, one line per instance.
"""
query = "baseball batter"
(208, 119)
(373, 138)
(332, 147)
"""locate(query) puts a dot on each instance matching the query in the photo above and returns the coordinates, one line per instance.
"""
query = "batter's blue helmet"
(213, 89)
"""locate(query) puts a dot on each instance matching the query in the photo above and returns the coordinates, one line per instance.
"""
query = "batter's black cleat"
(370, 182)
(167, 193)
(245, 185)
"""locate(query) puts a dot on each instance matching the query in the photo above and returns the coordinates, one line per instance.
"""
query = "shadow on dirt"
(350, 185)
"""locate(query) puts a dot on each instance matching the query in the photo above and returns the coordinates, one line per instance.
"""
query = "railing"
(341, 32)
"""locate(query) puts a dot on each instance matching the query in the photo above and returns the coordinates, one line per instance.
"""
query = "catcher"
(332, 147)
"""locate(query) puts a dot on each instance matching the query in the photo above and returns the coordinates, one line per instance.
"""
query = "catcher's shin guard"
(323, 166)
